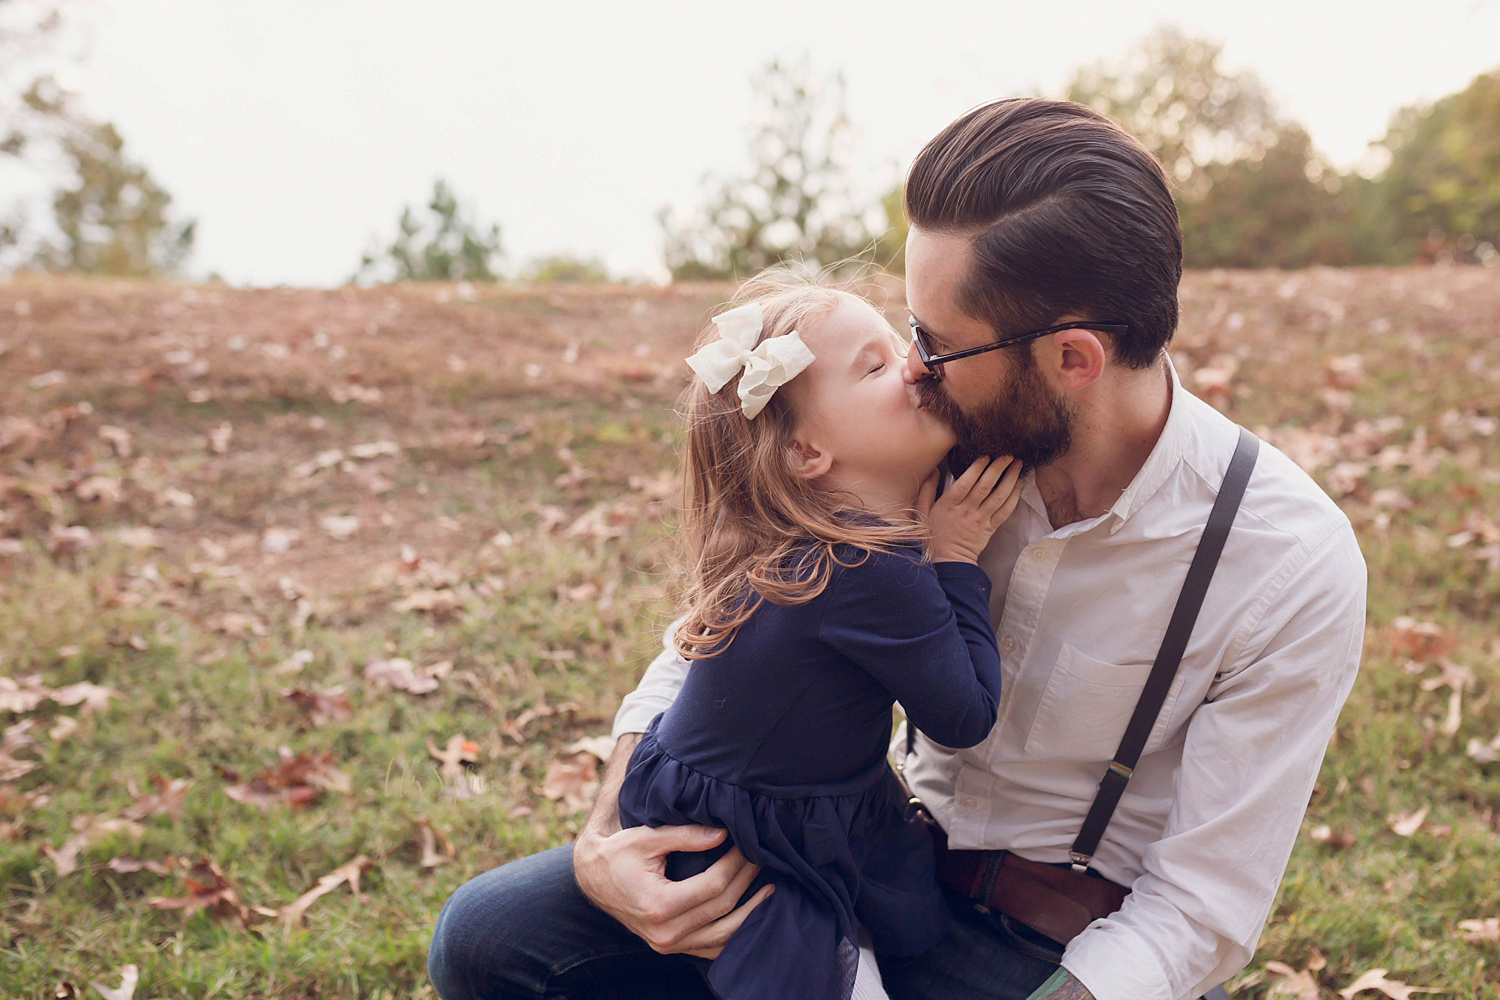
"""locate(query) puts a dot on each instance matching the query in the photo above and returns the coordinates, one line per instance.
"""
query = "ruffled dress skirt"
(841, 856)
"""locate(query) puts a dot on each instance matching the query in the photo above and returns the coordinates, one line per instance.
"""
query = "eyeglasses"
(935, 362)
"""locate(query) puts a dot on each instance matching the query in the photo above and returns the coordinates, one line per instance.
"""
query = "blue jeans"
(526, 930)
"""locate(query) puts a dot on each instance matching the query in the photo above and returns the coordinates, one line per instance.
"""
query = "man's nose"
(915, 371)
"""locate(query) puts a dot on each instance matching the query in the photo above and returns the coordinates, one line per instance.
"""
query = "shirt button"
(1038, 554)
(970, 802)
(1008, 644)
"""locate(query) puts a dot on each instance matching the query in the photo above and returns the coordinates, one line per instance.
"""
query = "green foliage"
(113, 217)
(449, 245)
(795, 204)
(1171, 94)
(563, 269)
(1442, 188)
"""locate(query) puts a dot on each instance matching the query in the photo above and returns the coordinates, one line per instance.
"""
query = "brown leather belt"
(1054, 901)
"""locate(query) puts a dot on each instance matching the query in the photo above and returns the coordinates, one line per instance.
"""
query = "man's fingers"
(709, 941)
(664, 840)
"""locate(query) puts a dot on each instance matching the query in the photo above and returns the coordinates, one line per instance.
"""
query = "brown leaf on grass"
(295, 912)
(1298, 984)
(64, 991)
(516, 728)
(403, 675)
(206, 889)
(129, 975)
(16, 738)
(1484, 753)
(459, 751)
(1344, 372)
(599, 746)
(166, 800)
(320, 707)
(1480, 931)
(86, 830)
(1423, 641)
(572, 781)
(439, 603)
(219, 437)
(238, 624)
(296, 781)
(1404, 824)
(436, 849)
(126, 865)
(1375, 980)
(119, 440)
(1338, 839)
(22, 694)
(93, 697)
(96, 489)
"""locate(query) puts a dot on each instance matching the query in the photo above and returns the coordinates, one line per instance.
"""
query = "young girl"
(810, 472)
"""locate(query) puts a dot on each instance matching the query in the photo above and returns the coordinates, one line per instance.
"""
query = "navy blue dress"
(781, 739)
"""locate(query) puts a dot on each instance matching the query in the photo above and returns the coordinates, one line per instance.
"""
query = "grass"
(521, 532)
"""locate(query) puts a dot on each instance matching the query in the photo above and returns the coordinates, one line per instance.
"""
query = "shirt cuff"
(636, 713)
(1115, 963)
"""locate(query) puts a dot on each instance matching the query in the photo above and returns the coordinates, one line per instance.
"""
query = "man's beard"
(1024, 419)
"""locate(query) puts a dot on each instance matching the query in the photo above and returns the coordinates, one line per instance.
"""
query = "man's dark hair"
(1067, 213)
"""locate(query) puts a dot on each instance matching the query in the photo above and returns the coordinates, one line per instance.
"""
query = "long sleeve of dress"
(923, 630)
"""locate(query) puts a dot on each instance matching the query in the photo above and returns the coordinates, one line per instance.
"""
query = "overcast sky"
(295, 130)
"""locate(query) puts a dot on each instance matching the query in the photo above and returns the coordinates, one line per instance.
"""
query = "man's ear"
(807, 458)
(1080, 358)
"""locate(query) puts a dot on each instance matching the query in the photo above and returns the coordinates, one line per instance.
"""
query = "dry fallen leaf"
(320, 707)
(295, 781)
(167, 800)
(1297, 984)
(403, 675)
(1404, 824)
(436, 848)
(1424, 641)
(1337, 839)
(207, 890)
(126, 990)
(1480, 931)
(294, 912)
(1375, 980)
(459, 751)
(572, 781)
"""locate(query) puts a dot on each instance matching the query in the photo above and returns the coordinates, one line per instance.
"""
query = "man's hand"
(623, 872)
(1061, 986)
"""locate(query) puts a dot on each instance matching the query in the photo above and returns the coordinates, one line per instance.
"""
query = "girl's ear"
(807, 459)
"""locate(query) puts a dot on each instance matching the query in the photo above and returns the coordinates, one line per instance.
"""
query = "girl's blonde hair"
(752, 529)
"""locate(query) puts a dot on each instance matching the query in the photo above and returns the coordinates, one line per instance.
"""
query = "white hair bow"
(767, 367)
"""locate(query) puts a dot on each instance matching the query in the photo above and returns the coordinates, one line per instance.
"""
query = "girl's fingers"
(1005, 488)
(958, 490)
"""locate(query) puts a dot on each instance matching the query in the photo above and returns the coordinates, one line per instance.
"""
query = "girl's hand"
(969, 511)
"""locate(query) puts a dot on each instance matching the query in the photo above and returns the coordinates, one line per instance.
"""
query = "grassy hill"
(311, 601)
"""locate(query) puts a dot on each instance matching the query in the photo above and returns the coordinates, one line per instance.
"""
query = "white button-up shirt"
(1205, 827)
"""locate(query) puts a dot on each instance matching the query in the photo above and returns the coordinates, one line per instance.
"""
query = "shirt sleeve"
(1251, 757)
(923, 631)
(657, 690)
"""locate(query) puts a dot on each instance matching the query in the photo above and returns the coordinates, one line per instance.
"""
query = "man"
(1042, 270)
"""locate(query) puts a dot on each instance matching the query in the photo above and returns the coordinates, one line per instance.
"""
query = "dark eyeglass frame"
(935, 362)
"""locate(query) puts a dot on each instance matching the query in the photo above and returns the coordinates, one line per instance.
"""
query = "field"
(314, 604)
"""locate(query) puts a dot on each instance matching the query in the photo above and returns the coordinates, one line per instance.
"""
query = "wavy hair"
(753, 530)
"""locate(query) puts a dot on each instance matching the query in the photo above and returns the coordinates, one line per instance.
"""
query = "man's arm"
(623, 872)
(1249, 763)
(1061, 986)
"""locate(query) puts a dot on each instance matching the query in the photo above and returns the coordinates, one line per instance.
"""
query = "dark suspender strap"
(1173, 643)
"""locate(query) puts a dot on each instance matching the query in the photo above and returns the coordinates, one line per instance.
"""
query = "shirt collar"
(1165, 456)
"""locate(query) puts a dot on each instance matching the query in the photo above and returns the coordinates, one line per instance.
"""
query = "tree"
(113, 217)
(1280, 206)
(1442, 186)
(109, 216)
(564, 269)
(1170, 93)
(451, 245)
(796, 202)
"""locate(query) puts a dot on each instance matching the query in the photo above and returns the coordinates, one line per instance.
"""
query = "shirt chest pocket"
(1086, 706)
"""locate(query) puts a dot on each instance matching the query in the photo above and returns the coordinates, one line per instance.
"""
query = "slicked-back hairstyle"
(1066, 213)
